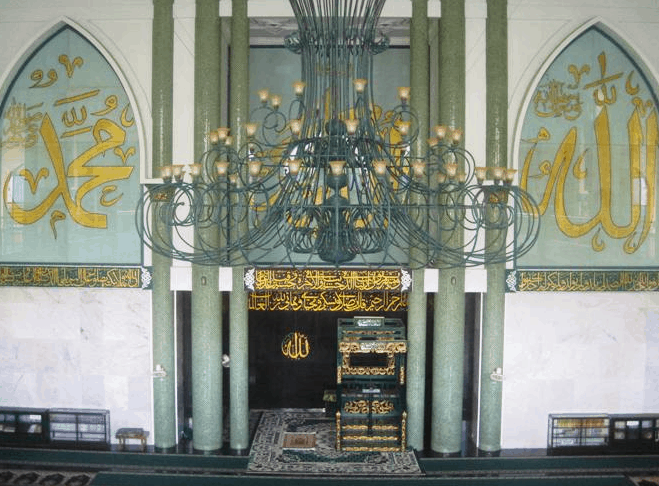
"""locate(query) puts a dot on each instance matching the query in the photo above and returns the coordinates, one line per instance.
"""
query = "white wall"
(77, 348)
(577, 352)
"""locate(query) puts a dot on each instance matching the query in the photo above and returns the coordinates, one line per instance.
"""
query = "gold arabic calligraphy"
(80, 173)
(328, 301)
(643, 139)
(315, 279)
(98, 277)
(587, 280)
(295, 346)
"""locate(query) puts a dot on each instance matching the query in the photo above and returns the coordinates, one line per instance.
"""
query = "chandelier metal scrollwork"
(333, 180)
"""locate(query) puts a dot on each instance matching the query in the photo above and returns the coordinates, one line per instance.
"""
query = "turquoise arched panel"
(69, 159)
(588, 155)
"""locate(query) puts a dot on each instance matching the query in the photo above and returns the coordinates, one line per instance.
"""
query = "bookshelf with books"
(79, 428)
(635, 433)
(576, 433)
(24, 426)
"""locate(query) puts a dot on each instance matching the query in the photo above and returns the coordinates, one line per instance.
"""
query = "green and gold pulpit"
(370, 392)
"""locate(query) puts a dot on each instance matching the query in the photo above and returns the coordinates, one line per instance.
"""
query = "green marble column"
(162, 301)
(206, 298)
(238, 325)
(489, 440)
(416, 315)
(448, 342)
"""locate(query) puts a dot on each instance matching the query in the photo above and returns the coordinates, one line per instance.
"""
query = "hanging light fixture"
(332, 181)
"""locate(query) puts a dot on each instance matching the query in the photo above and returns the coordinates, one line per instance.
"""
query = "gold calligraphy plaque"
(327, 301)
(582, 281)
(295, 346)
(309, 279)
(89, 277)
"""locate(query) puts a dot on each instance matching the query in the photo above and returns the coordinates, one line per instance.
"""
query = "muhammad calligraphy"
(69, 148)
(588, 155)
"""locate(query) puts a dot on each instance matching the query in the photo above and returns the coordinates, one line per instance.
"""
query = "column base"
(444, 454)
(211, 452)
(482, 453)
(239, 452)
(165, 450)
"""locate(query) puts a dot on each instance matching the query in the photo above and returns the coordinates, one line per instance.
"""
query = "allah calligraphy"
(68, 152)
(295, 346)
(589, 155)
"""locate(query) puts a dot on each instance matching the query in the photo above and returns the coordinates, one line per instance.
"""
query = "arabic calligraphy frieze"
(88, 277)
(588, 156)
(582, 281)
(327, 301)
(290, 279)
(69, 147)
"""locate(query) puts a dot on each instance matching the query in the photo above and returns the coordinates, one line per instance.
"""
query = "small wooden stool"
(124, 434)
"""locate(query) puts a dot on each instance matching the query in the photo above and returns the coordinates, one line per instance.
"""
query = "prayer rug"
(270, 455)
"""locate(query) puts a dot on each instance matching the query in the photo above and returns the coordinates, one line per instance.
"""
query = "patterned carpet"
(15, 477)
(267, 455)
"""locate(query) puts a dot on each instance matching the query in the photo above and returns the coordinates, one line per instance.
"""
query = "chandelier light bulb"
(228, 141)
(222, 133)
(255, 167)
(298, 87)
(509, 175)
(380, 167)
(404, 128)
(294, 166)
(222, 167)
(440, 131)
(276, 101)
(418, 168)
(250, 128)
(166, 172)
(404, 93)
(213, 137)
(264, 94)
(177, 171)
(351, 125)
(481, 174)
(337, 167)
(195, 170)
(451, 170)
(456, 136)
(498, 173)
(360, 85)
(433, 142)
(296, 126)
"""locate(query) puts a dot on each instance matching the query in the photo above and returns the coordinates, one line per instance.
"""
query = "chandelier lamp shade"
(333, 180)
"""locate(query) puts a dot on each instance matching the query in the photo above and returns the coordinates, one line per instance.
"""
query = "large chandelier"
(333, 181)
